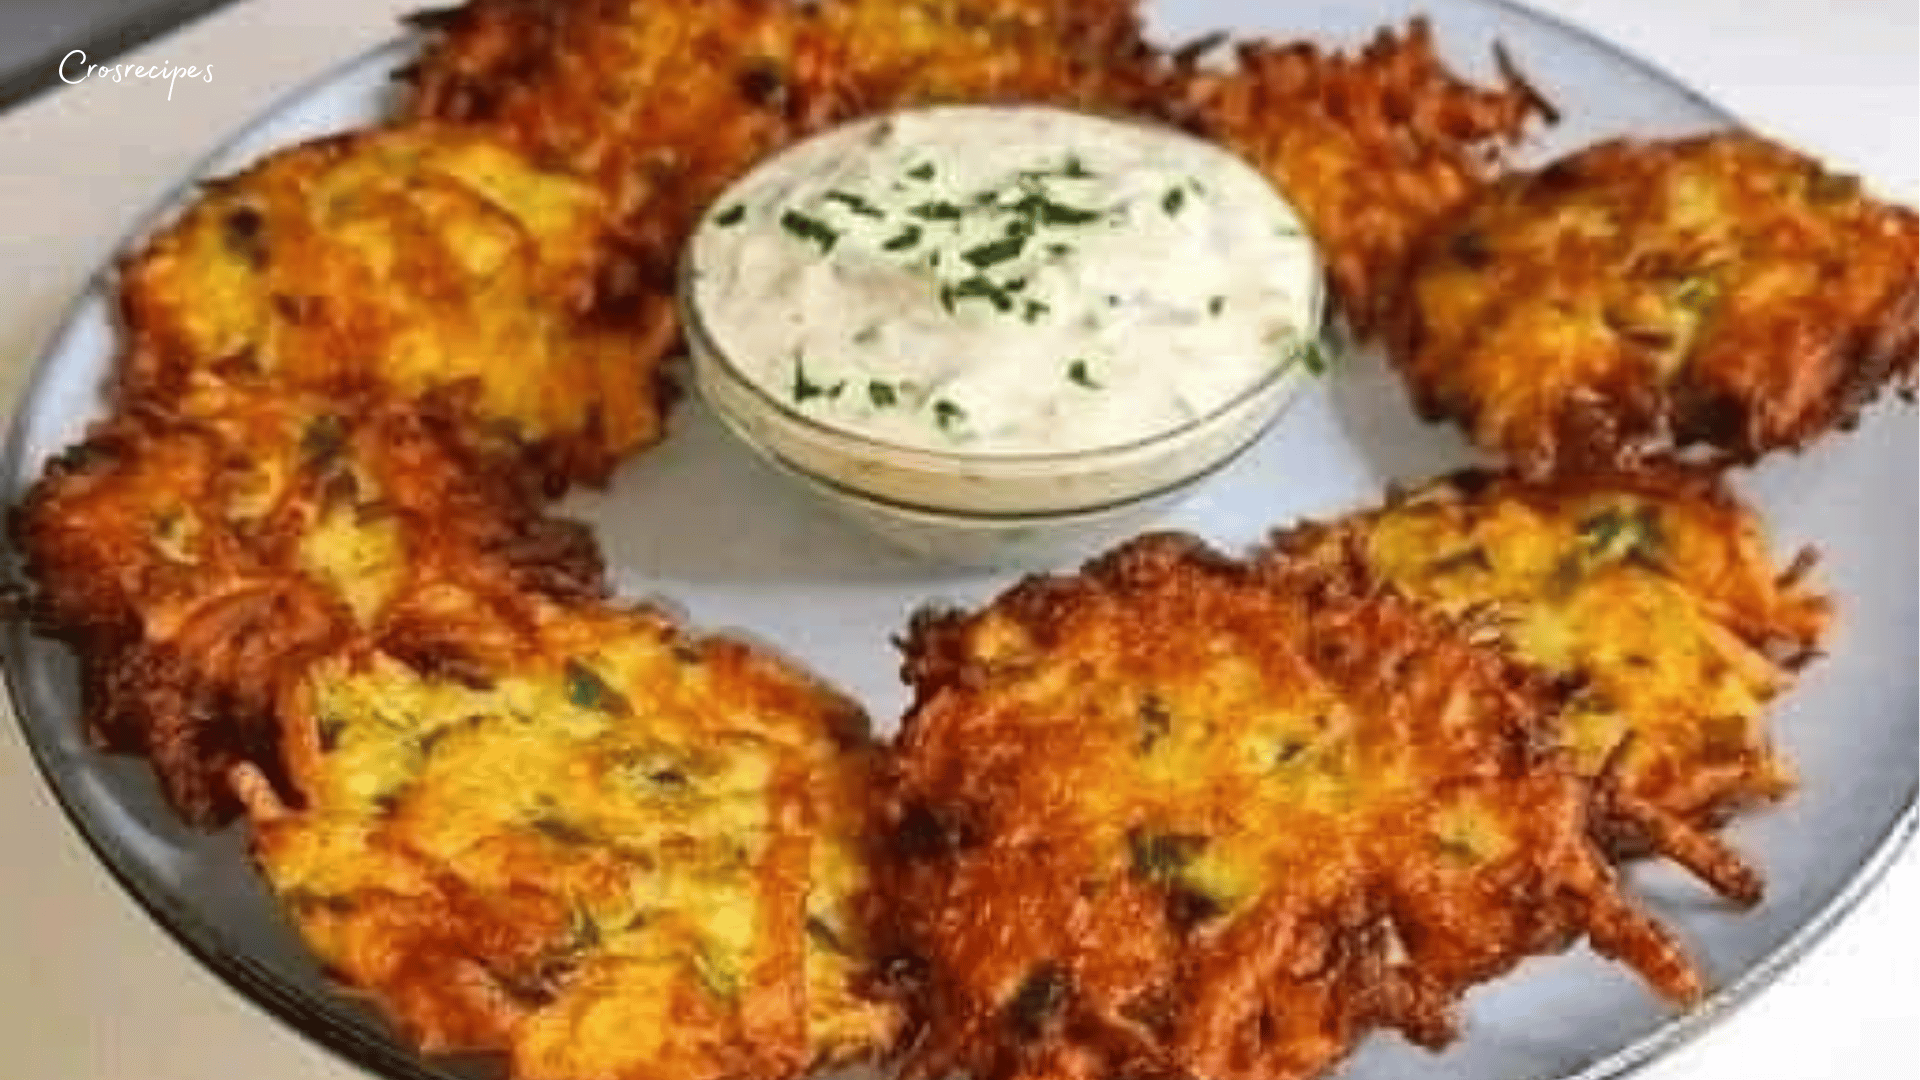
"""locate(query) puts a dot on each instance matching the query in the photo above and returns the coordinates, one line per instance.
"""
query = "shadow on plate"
(1376, 414)
(700, 508)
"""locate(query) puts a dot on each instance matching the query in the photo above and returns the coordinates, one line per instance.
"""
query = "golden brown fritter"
(618, 854)
(419, 259)
(658, 105)
(196, 557)
(662, 105)
(1375, 149)
(884, 54)
(1640, 296)
(1653, 597)
(1178, 816)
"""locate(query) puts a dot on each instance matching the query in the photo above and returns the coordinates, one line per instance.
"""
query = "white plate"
(742, 548)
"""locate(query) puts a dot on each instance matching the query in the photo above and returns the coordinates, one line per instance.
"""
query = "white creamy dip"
(1006, 280)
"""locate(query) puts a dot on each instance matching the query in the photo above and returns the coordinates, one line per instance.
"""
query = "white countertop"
(91, 990)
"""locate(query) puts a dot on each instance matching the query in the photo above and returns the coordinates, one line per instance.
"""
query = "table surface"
(91, 990)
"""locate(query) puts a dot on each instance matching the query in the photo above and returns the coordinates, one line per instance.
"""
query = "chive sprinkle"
(1173, 200)
(1049, 212)
(1078, 374)
(855, 203)
(1314, 359)
(1215, 304)
(805, 389)
(922, 171)
(978, 286)
(903, 239)
(938, 210)
(882, 395)
(810, 228)
(732, 215)
(994, 251)
(947, 414)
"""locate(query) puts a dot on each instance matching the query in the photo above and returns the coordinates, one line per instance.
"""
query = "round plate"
(741, 548)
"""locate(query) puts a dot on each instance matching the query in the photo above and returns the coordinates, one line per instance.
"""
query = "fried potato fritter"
(889, 53)
(1652, 595)
(1179, 816)
(658, 105)
(196, 557)
(416, 259)
(661, 105)
(1641, 296)
(1376, 149)
(622, 855)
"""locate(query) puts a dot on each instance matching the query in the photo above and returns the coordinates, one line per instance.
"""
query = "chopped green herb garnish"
(1079, 375)
(587, 690)
(821, 932)
(805, 389)
(1049, 212)
(719, 979)
(1314, 359)
(1215, 304)
(922, 171)
(1173, 200)
(977, 286)
(938, 210)
(560, 831)
(1075, 169)
(903, 239)
(867, 335)
(1696, 293)
(809, 228)
(947, 414)
(1155, 722)
(994, 251)
(732, 215)
(329, 728)
(666, 779)
(1160, 856)
(882, 395)
(1034, 310)
(855, 203)
(1615, 533)
(323, 439)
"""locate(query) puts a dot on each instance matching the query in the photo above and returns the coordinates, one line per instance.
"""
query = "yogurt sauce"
(1006, 280)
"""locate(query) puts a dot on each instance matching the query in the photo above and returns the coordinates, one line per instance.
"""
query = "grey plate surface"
(743, 549)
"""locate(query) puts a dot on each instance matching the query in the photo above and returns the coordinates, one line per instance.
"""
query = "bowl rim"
(706, 350)
(938, 515)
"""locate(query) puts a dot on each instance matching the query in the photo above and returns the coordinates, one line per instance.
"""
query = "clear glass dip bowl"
(983, 508)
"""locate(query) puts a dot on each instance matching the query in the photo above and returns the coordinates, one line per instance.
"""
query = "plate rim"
(389, 1059)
